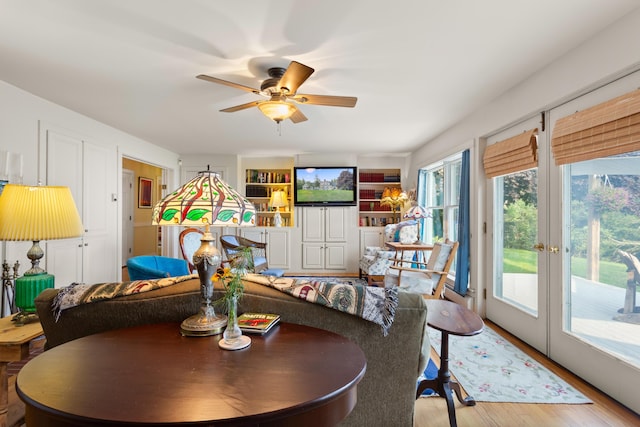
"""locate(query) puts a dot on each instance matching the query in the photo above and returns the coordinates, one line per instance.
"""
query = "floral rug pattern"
(491, 369)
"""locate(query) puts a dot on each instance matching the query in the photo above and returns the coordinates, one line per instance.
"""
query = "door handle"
(539, 247)
(553, 249)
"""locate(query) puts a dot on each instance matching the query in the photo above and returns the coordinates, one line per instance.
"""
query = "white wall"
(23, 115)
(613, 53)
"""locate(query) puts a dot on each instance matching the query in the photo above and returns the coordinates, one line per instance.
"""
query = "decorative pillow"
(406, 232)
(439, 256)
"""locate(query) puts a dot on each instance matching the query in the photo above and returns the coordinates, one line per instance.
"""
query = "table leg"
(4, 394)
(443, 385)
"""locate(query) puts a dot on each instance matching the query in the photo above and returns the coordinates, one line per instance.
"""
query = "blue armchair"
(156, 267)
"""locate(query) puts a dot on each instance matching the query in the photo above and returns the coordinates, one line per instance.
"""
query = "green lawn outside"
(523, 261)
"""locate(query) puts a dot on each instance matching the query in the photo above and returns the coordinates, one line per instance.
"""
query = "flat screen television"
(325, 186)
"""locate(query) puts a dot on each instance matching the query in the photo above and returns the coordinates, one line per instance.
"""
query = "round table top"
(152, 374)
(447, 316)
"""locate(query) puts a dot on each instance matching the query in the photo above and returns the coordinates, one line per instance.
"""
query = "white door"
(100, 214)
(89, 170)
(517, 286)
(595, 204)
(127, 215)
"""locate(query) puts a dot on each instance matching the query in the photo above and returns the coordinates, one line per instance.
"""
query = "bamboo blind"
(612, 127)
(515, 154)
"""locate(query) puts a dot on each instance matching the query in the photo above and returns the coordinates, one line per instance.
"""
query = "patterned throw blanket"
(371, 303)
(80, 293)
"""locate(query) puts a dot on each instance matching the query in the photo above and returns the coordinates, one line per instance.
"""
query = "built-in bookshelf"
(260, 185)
(371, 184)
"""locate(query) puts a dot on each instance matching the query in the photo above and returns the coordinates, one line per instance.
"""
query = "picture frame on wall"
(145, 186)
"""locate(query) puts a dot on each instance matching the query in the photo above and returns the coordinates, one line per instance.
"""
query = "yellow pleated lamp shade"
(38, 213)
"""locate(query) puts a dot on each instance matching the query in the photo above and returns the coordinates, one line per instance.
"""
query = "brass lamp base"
(201, 325)
(207, 259)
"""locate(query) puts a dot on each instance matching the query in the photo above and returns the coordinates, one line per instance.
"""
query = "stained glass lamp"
(206, 201)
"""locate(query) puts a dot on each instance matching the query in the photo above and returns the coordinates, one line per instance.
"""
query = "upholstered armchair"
(146, 267)
(376, 260)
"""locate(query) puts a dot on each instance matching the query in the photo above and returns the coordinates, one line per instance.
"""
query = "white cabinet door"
(335, 224)
(335, 256)
(257, 234)
(277, 240)
(324, 236)
(371, 236)
(278, 247)
(313, 256)
(313, 224)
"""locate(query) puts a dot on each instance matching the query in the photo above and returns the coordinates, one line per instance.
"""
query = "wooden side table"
(14, 346)
(449, 318)
(420, 247)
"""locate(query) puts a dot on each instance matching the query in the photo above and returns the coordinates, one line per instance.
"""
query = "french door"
(594, 202)
(517, 287)
(561, 287)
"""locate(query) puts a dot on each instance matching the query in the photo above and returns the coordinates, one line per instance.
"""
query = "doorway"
(560, 286)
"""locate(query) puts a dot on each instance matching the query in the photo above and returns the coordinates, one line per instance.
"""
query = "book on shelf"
(257, 323)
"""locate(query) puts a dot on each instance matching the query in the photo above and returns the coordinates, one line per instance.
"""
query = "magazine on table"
(257, 323)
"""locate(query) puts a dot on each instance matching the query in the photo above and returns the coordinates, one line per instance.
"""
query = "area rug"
(491, 369)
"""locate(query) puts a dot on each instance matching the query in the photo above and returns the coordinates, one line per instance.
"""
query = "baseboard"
(465, 301)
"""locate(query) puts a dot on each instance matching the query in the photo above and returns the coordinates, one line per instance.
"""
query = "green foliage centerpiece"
(231, 277)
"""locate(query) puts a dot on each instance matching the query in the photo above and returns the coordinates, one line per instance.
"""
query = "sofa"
(386, 394)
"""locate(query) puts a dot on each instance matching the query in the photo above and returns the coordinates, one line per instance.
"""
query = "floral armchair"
(376, 260)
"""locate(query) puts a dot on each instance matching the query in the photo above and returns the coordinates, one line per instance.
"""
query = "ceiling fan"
(281, 87)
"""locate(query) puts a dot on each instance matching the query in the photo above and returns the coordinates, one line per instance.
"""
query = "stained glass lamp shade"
(206, 201)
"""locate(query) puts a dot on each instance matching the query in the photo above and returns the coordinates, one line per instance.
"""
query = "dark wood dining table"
(152, 375)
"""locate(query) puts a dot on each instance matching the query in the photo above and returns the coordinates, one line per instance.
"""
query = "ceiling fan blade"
(241, 107)
(295, 75)
(328, 100)
(227, 83)
(298, 117)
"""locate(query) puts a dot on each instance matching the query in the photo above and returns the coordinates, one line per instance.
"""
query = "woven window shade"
(515, 154)
(612, 127)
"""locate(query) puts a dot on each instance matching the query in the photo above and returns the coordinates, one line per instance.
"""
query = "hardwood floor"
(604, 411)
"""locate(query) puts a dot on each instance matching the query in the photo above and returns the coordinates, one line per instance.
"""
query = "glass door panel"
(517, 247)
(517, 226)
(602, 263)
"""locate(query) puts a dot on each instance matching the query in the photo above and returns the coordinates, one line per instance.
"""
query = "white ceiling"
(416, 66)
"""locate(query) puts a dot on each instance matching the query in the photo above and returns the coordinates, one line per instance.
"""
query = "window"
(439, 193)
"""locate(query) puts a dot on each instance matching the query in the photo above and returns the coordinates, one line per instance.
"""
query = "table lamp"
(393, 197)
(278, 200)
(206, 201)
(417, 212)
(36, 213)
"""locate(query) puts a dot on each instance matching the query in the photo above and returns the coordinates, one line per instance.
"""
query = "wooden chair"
(232, 243)
(189, 243)
(430, 280)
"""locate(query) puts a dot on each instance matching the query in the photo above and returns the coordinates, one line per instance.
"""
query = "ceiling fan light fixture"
(277, 110)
